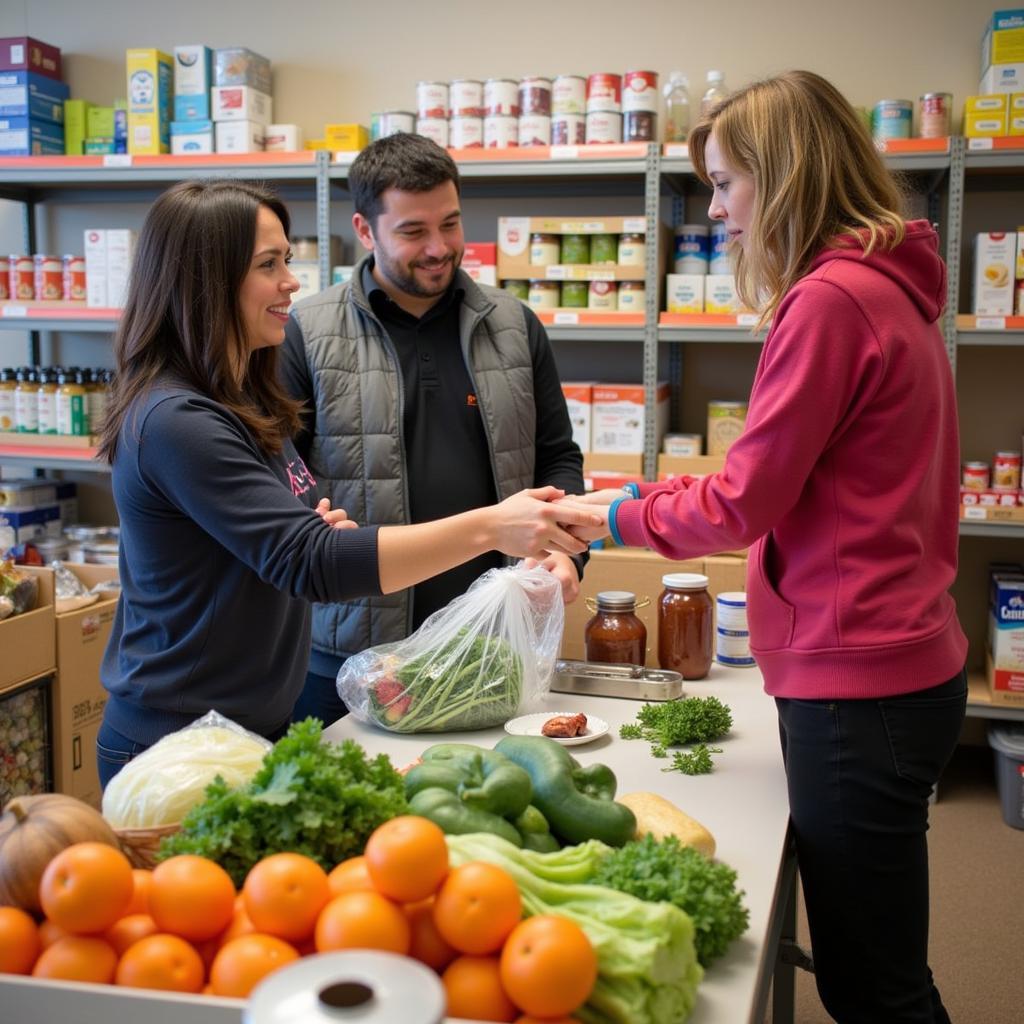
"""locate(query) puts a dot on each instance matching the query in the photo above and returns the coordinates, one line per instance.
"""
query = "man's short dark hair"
(410, 163)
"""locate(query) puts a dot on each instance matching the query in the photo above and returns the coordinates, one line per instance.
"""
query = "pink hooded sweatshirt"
(845, 481)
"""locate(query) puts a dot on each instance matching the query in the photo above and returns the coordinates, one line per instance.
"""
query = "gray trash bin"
(1007, 741)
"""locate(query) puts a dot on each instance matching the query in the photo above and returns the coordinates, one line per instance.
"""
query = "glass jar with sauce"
(685, 625)
(544, 294)
(615, 635)
(544, 249)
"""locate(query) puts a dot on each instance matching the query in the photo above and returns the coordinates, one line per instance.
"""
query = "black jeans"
(320, 699)
(860, 773)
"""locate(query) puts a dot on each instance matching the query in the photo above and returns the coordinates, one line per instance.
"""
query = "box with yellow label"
(150, 74)
(346, 136)
(986, 116)
(995, 257)
(1016, 115)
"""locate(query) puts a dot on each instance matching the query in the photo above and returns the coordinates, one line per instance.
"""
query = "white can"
(501, 97)
(732, 647)
(466, 132)
(501, 131)
(731, 610)
(603, 126)
(692, 248)
(391, 122)
(434, 128)
(431, 99)
(640, 90)
(568, 130)
(603, 295)
(534, 96)
(569, 94)
(604, 92)
(534, 130)
(466, 97)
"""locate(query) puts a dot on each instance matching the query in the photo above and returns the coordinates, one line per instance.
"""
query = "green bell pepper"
(446, 810)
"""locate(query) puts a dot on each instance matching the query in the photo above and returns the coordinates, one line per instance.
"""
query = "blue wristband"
(612, 528)
(633, 490)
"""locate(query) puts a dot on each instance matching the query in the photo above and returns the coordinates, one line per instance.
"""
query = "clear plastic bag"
(470, 665)
(162, 784)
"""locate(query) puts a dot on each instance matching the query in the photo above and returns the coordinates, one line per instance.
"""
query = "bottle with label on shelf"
(46, 399)
(8, 386)
(677, 108)
(26, 401)
(72, 412)
(715, 92)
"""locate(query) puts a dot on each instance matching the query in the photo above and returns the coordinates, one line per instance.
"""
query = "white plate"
(530, 725)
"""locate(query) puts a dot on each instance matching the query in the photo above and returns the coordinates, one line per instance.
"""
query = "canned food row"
(548, 250)
(537, 94)
(42, 277)
(1002, 475)
(893, 119)
(608, 296)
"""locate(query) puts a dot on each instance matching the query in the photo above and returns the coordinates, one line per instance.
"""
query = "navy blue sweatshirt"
(221, 554)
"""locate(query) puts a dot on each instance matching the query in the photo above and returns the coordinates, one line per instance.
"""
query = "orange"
(284, 894)
(49, 933)
(162, 962)
(192, 897)
(140, 891)
(548, 966)
(477, 908)
(350, 876)
(128, 930)
(78, 958)
(362, 920)
(472, 985)
(241, 924)
(527, 1019)
(407, 858)
(246, 961)
(427, 944)
(86, 887)
(20, 944)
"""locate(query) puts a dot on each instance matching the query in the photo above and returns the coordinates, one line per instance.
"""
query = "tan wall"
(338, 61)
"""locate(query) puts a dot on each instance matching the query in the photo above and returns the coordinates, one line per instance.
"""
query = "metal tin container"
(639, 126)
(568, 94)
(391, 122)
(568, 130)
(501, 131)
(892, 119)
(432, 99)
(534, 130)
(466, 97)
(535, 97)
(466, 132)
(434, 128)
(935, 117)
(501, 98)
(631, 682)
(603, 126)
(640, 90)
(604, 92)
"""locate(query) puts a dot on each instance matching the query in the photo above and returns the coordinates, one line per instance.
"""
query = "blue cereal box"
(23, 136)
(150, 76)
(193, 70)
(24, 94)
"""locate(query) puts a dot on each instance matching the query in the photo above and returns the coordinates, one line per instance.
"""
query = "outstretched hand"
(336, 517)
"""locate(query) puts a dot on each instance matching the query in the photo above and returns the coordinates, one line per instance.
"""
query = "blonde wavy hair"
(819, 180)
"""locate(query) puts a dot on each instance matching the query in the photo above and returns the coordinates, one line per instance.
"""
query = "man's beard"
(404, 278)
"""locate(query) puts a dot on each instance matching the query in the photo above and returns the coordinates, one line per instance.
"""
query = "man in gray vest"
(427, 395)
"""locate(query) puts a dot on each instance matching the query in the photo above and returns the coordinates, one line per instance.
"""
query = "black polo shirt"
(447, 461)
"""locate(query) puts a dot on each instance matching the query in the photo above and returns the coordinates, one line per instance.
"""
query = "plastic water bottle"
(715, 92)
(677, 107)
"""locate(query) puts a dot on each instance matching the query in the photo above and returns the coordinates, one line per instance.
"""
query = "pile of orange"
(183, 927)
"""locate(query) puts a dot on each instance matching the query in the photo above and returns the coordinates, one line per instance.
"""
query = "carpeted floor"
(977, 881)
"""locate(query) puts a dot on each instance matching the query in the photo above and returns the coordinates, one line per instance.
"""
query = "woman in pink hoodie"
(845, 482)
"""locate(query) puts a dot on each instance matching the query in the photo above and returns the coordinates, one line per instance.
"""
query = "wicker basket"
(140, 845)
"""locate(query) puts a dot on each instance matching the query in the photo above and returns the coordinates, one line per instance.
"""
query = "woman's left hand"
(563, 568)
(336, 517)
(589, 533)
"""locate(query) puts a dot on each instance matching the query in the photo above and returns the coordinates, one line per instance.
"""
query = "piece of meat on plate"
(565, 726)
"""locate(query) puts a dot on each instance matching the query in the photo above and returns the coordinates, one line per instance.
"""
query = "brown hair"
(817, 177)
(182, 317)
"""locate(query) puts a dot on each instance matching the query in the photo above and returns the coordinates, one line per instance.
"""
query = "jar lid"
(616, 600)
(733, 598)
(685, 581)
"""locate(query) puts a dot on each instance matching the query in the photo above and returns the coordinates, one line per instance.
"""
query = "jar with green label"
(520, 289)
(72, 414)
(604, 249)
(575, 249)
(46, 402)
(575, 294)
(8, 385)
(544, 294)
(544, 249)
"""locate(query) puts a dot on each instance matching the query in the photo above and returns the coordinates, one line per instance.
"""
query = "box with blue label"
(193, 76)
(24, 94)
(29, 523)
(235, 65)
(21, 136)
(1006, 638)
(191, 137)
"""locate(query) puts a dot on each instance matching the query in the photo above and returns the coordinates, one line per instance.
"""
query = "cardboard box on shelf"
(346, 137)
(240, 103)
(193, 77)
(633, 569)
(78, 695)
(1002, 41)
(27, 640)
(23, 53)
(693, 465)
(995, 261)
(1002, 78)
(150, 87)
(25, 738)
(579, 401)
(619, 418)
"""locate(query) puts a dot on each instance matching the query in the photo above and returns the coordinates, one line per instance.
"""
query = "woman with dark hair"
(221, 551)
(845, 481)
